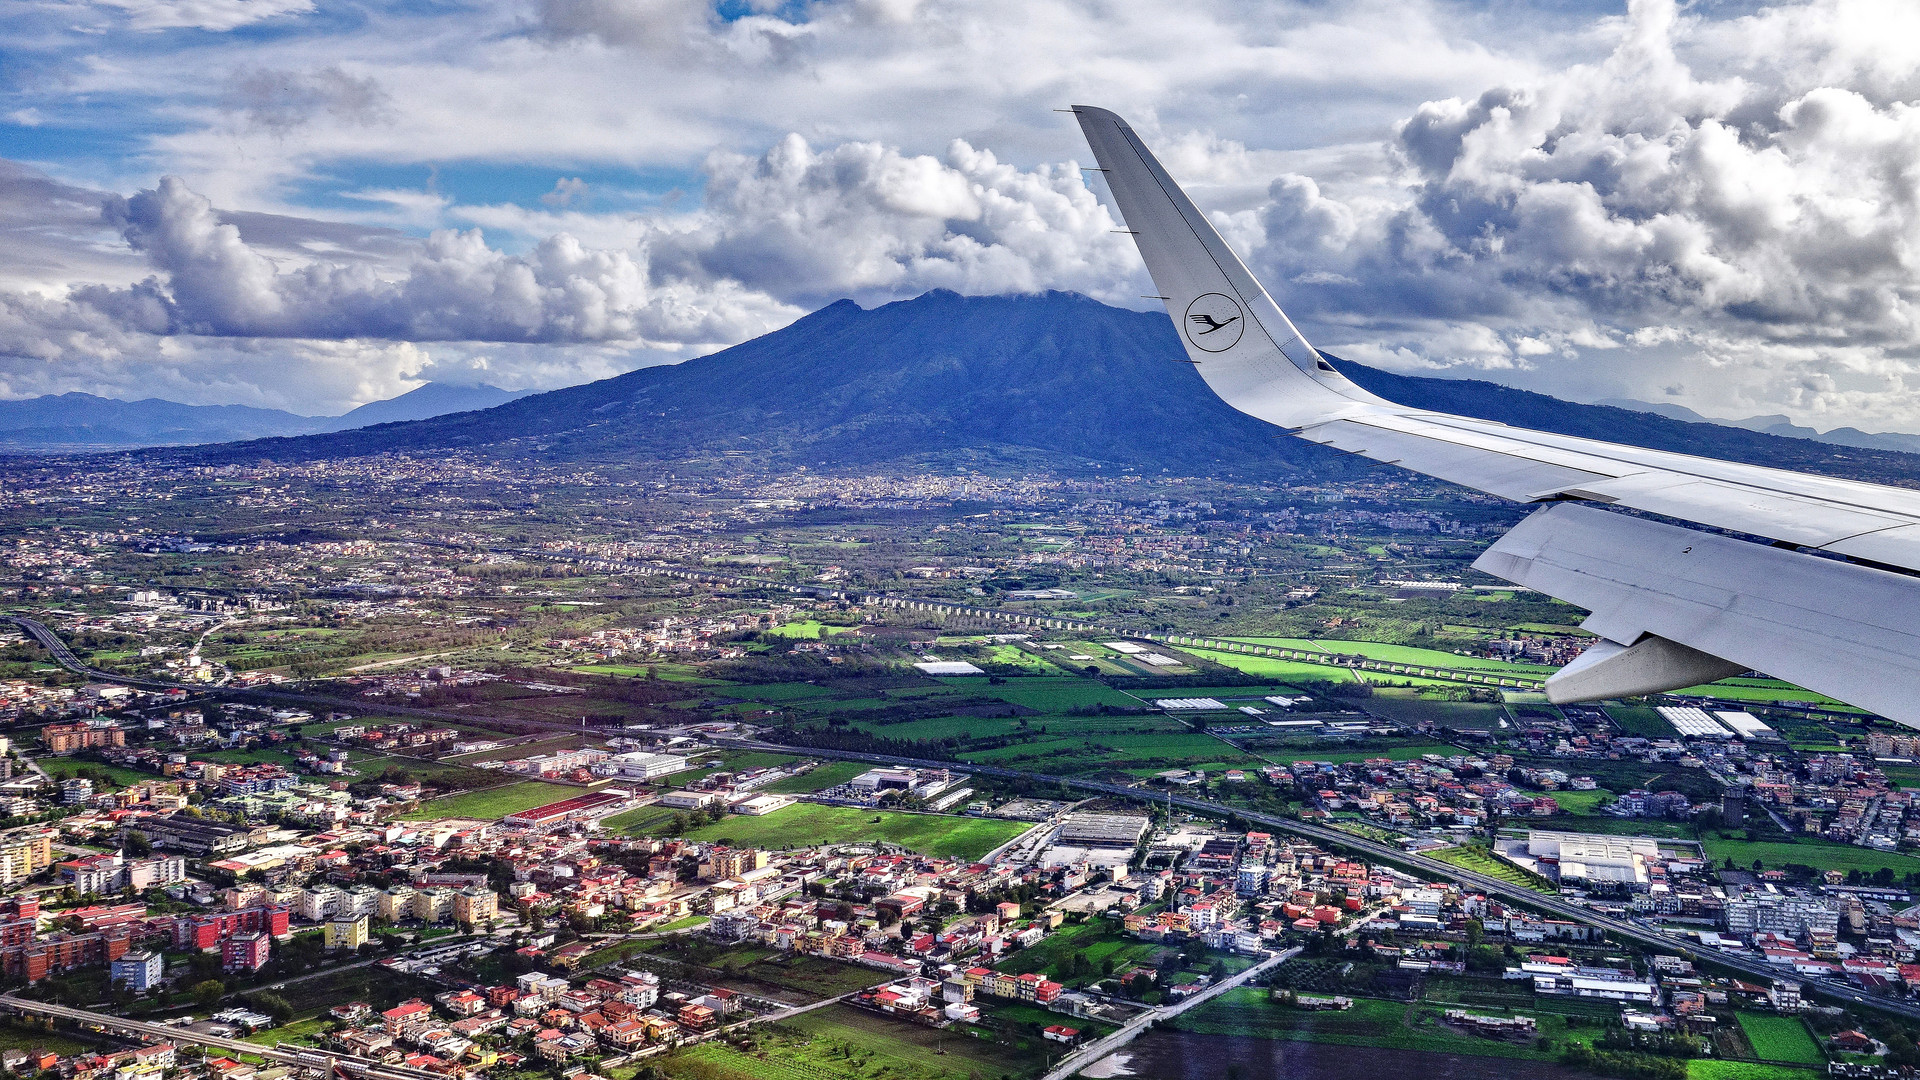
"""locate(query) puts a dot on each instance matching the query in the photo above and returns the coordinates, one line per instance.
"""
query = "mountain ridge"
(1046, 377)
(74, 420)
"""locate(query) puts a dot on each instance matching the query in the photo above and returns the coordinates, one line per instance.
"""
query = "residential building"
(347, 932)
(246, 951)
(140, 971)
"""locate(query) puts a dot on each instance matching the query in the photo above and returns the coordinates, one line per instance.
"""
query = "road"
(1137, 1026)
(304, 1058)
(1433, 869)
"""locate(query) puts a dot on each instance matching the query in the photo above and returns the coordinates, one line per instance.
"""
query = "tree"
(136, 845)
(209, 992)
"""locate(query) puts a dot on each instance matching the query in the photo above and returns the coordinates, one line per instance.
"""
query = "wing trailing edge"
(1674, 607)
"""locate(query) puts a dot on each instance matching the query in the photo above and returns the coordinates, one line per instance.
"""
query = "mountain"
(424, 403)
(1052, 378)
(75, 421)
(83, 421)
(1776, 424)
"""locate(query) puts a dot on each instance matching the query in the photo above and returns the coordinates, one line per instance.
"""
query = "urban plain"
(472, 765)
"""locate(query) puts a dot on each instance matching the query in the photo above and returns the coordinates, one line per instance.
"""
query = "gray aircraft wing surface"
(1832, 603)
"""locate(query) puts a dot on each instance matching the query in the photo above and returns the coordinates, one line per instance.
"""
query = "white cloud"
(218, 15)
(1589, 206)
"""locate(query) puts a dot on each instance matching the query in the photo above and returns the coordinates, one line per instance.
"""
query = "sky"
(311, 204)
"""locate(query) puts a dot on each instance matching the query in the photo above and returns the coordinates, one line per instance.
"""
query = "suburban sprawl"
(414, 768)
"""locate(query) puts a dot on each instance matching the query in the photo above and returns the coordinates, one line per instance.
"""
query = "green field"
(1247, 1011)
(1580, 802)
(24, 1036)
(806, 824)
(1404, 654)
(1817, 854)
(1098, 940)
(843, 1043)
(1047, 693)
(493, 802)
(806, 628)
(1780, 1038)
(1715, 1069)
(62, 768)
(1481, 861)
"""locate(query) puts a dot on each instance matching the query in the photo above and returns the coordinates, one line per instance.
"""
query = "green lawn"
(805, 824)
(1780, 1038)
(493, 802)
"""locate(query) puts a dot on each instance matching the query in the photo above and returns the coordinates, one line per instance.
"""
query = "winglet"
(1246, 348)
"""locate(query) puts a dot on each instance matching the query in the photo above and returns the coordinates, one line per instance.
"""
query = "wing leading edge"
(1671, 618)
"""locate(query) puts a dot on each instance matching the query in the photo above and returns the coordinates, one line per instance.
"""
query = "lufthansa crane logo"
(1214, 322)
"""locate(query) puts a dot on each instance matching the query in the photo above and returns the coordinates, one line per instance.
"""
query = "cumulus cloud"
(863, 219)
(1706, 197)
(776, 235)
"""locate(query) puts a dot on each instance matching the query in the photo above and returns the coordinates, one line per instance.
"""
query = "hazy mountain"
(424, 403)
(75, 421)
(1776, 424)
(84, 421)
(1055, 378)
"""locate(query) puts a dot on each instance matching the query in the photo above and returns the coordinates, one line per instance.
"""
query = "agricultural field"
(806, 824)
(1248, 1011)
(1716, 1069)
(843, 1043)
(1047, 693)
(1817, 854)
(1099, 940)
(1481, 861)
(1780, 1038)
(63, 768)
(494, 802)
(808, 629)
(1580, 802)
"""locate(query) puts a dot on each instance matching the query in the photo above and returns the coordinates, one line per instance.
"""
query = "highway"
(1432, 868)
(304, 1058)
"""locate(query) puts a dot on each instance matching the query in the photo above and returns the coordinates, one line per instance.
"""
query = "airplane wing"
(1829, 605)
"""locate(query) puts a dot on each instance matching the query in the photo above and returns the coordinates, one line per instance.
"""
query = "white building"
(639, 765)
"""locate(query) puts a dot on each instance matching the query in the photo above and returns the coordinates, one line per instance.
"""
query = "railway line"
(322, 1060)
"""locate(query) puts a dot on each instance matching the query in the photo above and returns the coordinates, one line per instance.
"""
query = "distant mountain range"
(74, 421)
(1776, 424)
(1052, 379)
